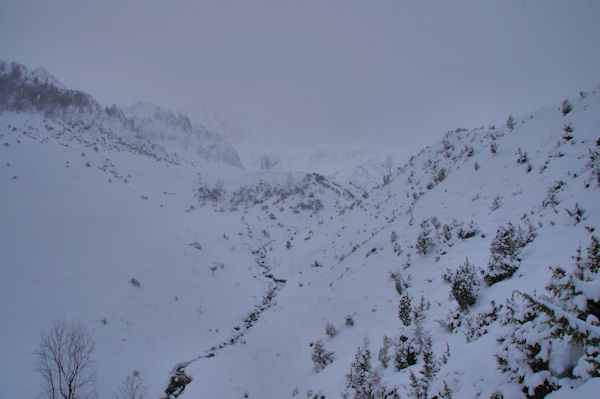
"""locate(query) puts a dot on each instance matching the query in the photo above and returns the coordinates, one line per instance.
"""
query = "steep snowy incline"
(144, 127)
(443, 207)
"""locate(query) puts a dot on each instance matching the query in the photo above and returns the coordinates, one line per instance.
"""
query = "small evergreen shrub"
(320, 356)
(465, 285)
(405, 354)
(384, 352)
(405, 310)
(424, 242)
(504, 252)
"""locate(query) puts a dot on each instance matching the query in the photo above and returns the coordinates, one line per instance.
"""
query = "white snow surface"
(81, 216)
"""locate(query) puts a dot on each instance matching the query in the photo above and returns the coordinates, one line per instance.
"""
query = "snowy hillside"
(428, 281)
(143, 127)
(176, 133)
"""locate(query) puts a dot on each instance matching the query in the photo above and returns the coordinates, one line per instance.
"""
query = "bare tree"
(132, 388)
(64, 359)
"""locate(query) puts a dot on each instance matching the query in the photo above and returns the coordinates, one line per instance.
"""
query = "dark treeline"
(18, 94)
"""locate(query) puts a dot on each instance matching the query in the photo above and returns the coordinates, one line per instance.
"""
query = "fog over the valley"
(312, 72)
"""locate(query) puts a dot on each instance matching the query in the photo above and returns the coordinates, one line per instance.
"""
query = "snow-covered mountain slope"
(142, 127)
(176, 133)
(443, 207)
(241, 272)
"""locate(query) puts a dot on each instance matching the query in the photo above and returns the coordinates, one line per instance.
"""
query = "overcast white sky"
(376, 71)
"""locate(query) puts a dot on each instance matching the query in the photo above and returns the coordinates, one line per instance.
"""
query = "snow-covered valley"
(149, 232)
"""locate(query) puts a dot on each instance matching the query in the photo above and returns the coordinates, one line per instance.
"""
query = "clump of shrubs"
(543, 328)
(364, 381)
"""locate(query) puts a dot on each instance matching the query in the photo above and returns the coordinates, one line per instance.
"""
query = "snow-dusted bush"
(465, 285)
(400, 284)
(446, 232)
(315, 395)
(466, 232)
(551, 199)
(493, 147)
(405, 354)
(425, 241)
(565, 107)
(384, 352)
(578, 214)
(321, 357)
(476, 325)
(496, 203)
(397, 248)
(523, 159)
(216, 266)
(554, 340)
(349, 321)
(420, 384)
(510, 123)
(330, 330)
(363, 381)
(405, 310)
(504, 251)
(439, 176)
(594, 164)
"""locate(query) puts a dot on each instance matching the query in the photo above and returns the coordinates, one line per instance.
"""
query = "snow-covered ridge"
(163, 134)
